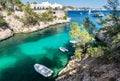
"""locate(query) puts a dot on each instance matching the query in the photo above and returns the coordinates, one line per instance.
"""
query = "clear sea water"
(19, 53)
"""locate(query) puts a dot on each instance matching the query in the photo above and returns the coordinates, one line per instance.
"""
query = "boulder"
(5, 33)
(103, 37)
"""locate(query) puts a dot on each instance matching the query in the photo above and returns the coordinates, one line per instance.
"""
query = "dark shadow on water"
(54, 60)
(23, 70)
(22, 38)
(71, 49)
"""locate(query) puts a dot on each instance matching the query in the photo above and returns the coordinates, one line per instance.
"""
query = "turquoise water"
(19, 53)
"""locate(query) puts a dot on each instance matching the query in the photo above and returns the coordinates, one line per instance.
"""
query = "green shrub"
(9, 12)
(30, 17)
(78, 54)
(96, 51)
(46, 17)
(65, 17)
(55, 17)
(2, 21)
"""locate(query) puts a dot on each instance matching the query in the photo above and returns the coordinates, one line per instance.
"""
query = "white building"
(45, 5)
(40, 8)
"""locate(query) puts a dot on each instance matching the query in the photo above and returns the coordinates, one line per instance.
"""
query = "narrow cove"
(18, 54)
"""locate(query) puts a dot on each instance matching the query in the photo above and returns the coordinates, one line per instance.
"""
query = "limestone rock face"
(5, 33)
(89, 70)
(103, 37)
(18, 27)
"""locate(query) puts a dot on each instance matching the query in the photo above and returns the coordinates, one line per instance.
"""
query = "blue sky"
(75, 3)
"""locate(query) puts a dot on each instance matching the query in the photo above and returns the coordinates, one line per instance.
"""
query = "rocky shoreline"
(5, 33)
(16, 26)
(89, 70)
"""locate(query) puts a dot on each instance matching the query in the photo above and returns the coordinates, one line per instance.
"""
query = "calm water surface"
(19, 53)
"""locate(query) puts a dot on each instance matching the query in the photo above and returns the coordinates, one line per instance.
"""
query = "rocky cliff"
(90, 69)
(18, 27)
(5, 33)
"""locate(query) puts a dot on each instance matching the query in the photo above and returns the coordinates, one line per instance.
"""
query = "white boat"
(89, 12)
(63, 49)
(43, 70)
(99, 14)
(73, 41)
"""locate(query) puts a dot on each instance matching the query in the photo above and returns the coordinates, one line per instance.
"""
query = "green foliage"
(75, 31)
(9, 12)
(83, 38)
(111, 22)
(30, 17)
(15, 3)
(55, 17)
(116, 41)
(95, 51)
(78, 54)
(47, 16)
(112, 4)
(110, 56)
(20, 6)
(89, 26)
(79, 33)
(11, 4)
(2, 21)
(3, 3)
(65, 17)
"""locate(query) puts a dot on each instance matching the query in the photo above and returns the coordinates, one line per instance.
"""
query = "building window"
(37, 8)
(34, 8)
(54, 12)
(55, 8)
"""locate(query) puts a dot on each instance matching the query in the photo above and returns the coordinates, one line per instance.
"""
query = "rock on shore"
(101, 35)
(5, 33)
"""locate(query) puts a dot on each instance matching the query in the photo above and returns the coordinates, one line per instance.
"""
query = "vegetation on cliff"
(99, 60)
(47, 16)
(111, 27)
(30, 17)
(2, 22)
(11, 4)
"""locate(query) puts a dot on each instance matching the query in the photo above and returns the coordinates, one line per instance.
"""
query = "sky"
(74, 3)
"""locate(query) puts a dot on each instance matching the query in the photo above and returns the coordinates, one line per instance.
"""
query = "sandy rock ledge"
(5, 33)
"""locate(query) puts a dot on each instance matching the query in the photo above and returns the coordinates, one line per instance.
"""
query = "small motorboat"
(43, 70)
(99, 14)
(63, 49)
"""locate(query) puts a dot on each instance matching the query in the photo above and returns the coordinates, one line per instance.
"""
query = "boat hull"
(43, 70)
